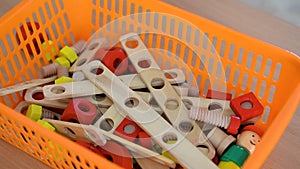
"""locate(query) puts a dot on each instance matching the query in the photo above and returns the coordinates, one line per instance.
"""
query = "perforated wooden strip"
(29, 97)
(91, 134)
(25, 85)
(86, 88)
(149, 120)
(88, 54)
(166, 97)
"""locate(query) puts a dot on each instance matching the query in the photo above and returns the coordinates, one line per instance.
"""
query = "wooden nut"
(63, 61)
(34, 112)
(220, 139)
(114, 58)
(50, 70)
(46, 125)
(128, 130)
(63, 79)
(81, 111)
(68, 53)
(246, 106)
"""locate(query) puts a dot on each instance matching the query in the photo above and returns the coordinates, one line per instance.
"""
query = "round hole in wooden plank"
(170, 75)
(214, 106)
(58, 89)
(144, 63)
(38, 96)
(132, 102)
(188, 103)
(186, 126)
(129, 129)
(172, 104)
(93, 46)
(131, 43)
(70, 132)
(81, 62)
(106, 124)
(170, 138)
(97, 71)
(83, 107)
(99, 97)
(157, 83)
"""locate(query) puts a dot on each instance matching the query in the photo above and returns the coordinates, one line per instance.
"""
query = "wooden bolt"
(220, 139)
(79, 46)
(50, 70)
(62, 71)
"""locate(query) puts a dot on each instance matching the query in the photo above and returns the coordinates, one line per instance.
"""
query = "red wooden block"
(128, 130)
(81, 111)
(114, 58)
(213, 94)
(145, 140)
(253, 109)
(234, 125)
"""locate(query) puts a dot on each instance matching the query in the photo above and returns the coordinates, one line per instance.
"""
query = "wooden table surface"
(235, 15)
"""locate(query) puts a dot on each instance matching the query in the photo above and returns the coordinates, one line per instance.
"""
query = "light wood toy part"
(87, 88)
(148, 119)
(25, 85)
(91, 134)
(166, 97)
(88, 54)
(43, 102)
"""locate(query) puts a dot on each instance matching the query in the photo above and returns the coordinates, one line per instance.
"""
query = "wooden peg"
(79, 46)
(25, 85)
(133, 105)
(50, 70)
(62, 71)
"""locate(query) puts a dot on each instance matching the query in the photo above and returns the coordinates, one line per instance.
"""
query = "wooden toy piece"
(87, 55)
(50, 70)
(81, 111)
(100, 100)
(62, 71)
(166, 97)
(29, 97)
(79, 46)
(22, 107)
(63, 61)
(114, 58)
(215, 117)
(236, 155)
(63, 79)
(34, 112)
(45, 45)
(86, 88)
(113, 151)
(220, 139)
(133, 105)
(25, 85)
(75, 131)
(48, 114)
(247, 106)
(213, 94)
(145, 140)
(78, 76)
(86, 132)
(192, 91)
(46, 125)
(68, 53)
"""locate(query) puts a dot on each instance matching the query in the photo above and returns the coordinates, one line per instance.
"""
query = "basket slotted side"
(249, 64)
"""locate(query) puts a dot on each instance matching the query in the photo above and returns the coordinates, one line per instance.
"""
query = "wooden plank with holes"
(25, 85)
(91, 134)
(166, 97)
(62, 104)
(150, 121)
(86, 88)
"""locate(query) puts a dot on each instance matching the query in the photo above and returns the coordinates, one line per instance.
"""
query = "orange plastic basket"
(249, 64)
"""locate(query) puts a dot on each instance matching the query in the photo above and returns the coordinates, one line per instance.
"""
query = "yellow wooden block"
(63, 61)
(46, 125)
(34, 112)
(63, 79)
(68, 53)
(45, 45)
